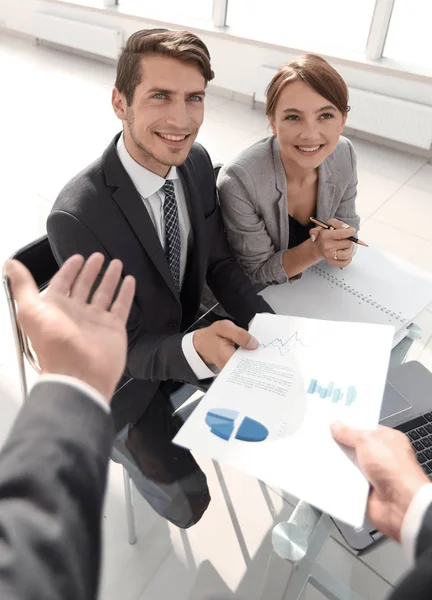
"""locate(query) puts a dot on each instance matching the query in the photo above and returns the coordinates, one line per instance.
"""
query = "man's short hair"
(181, 45)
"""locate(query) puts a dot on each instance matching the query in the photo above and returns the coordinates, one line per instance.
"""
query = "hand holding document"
(269, 411)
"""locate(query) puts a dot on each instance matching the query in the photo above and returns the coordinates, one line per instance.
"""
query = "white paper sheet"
(269, 411)
(376, 288)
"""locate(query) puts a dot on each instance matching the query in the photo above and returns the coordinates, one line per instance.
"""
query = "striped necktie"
(172, 232)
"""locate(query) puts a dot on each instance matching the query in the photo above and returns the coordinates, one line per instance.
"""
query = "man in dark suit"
(53, 466)
(151, 201)
(400, 501)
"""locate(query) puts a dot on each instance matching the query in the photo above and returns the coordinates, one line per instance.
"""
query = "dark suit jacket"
(417, 585)
(52, 481)
(101, 210)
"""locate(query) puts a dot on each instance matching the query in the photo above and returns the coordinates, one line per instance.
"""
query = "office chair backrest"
(40, 261)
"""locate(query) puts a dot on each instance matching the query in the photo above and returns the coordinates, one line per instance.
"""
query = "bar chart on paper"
(334, 394)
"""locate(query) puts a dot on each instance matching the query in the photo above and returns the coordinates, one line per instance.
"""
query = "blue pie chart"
(222, 424)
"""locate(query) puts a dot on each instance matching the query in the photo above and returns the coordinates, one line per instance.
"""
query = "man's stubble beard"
(152, 162)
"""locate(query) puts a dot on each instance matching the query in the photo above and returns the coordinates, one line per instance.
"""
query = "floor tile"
(7, 347)
(214, 100)
(26, 214)
(425, 357)
(353, 573)
(241, 116)
(239, 530)
(178, 585)
(223, 141)
(126, 568)
(410, 210)
(26, 221)
(10, 398)
(411, 248)
(422, 179)
(373, 191)
(389, 560)
(11, 395)
(136, 566)
(386, 162)
(386, 558)
(311, 593)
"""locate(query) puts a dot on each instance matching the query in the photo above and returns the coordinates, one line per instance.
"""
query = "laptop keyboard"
(419, 431)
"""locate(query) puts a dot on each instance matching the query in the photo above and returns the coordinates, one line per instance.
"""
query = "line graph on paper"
(284, 345)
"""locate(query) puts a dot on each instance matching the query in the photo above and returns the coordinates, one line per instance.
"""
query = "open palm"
(69, 335)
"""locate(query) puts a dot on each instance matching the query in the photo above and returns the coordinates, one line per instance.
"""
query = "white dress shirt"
(149, 186)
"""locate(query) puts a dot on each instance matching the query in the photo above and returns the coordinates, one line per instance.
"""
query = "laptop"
(407, 406)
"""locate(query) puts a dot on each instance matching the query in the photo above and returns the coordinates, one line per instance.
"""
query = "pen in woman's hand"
(326, 226)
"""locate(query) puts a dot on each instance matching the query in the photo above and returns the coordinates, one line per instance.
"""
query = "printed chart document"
(269, 411)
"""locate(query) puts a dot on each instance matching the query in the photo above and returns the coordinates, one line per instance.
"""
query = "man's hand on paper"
(217, 343)
(387, 460)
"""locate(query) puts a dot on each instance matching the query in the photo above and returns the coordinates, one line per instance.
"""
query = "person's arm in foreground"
(400, 500)
(53, 466)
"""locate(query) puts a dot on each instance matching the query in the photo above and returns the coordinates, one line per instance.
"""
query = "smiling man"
(151, 201)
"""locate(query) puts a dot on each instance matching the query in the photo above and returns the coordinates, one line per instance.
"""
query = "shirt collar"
(146, 182)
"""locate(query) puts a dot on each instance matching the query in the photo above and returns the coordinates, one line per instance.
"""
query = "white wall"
(235, 62)
(18, 14)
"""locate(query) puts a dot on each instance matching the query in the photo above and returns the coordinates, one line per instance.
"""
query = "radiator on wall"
(384, 116)
(102, 41)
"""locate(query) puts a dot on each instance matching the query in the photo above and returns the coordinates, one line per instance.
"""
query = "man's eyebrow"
(156, 90)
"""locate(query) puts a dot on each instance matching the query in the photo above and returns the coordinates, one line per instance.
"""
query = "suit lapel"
(282, 201)
(132, 206)
(197, 258)
(326, 193)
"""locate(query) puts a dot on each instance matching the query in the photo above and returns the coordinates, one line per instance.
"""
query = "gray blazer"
(254, 203)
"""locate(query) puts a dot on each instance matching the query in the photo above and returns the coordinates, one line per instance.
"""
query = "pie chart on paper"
(222, 423)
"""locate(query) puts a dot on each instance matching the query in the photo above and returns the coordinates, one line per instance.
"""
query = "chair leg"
(130, 515)
(18, 337)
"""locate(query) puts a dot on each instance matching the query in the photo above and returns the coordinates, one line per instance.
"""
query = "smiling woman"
(306, 169)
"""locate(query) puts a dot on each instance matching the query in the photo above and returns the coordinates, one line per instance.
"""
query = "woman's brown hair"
(316, 72)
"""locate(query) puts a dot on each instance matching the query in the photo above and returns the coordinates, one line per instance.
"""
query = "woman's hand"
(333, 245)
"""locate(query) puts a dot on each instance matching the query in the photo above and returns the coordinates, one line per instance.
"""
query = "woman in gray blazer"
(305, 169)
